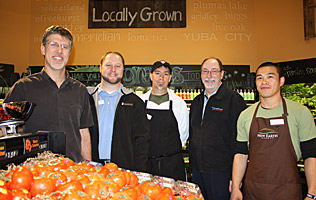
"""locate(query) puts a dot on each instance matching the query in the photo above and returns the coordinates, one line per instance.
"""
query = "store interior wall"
(245, 32)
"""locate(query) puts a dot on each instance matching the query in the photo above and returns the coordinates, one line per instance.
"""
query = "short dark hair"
(114, 52)
(57, 30)
(272, 64)
(214, 58)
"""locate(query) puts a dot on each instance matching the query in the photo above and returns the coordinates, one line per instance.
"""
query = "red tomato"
(5, 194)
(127, 177)
(58, 177)
(167, 190)
(130, 191)
(67, 161)
(133, 179)
(22, 178)
(42, 185)
(83, 167)
(57, 164)
(44, 171)
(2, 184)
(102, 170)
(34, 171)
(71, 173)
(111, 166)
(70, 185)
(137, 189)
(143, 197)
(113, 187)
(21, 194)
(73, 195)
(164, 196)
(118, 177)
(120, 196)
(84, 180)
(95, 177)
(48, 197)
(150, 189)
(97, 189)
(193, 197)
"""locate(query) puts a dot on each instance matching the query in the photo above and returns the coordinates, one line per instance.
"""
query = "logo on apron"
(267, 134)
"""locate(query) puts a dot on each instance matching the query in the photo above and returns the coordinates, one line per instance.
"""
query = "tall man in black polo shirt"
(212, 135)
(61, 103)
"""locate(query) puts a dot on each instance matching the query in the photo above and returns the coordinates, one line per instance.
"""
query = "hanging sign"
(137, 14)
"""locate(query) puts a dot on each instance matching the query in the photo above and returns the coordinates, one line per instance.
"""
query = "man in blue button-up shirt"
(122, 135)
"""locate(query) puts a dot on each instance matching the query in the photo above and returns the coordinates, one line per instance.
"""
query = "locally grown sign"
(137, 14)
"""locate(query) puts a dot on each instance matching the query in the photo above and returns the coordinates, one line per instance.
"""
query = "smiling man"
(169, 124)
(212, 138)
(61, 103)
(272, 135)
(121, 131)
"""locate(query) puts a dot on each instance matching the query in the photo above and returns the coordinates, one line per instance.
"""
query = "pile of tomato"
(62, 179)
(3, 115)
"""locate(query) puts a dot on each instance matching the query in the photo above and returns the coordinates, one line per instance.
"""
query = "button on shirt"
(107, 106)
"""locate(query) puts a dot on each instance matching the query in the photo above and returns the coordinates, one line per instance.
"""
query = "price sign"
(30, 144)
(2, 150)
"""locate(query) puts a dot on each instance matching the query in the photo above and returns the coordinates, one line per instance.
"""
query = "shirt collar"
(66, 81)
(205, 96)
(112, 93)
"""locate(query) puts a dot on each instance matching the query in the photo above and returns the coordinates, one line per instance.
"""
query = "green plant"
(304, 93)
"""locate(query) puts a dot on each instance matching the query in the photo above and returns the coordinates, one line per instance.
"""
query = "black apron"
(272, 171)
(165, 157)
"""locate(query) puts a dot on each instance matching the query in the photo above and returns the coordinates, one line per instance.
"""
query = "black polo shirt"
(65, 109)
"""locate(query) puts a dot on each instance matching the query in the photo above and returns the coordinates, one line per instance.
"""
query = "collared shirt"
(206, 99)
(107, 106)
(64, 109)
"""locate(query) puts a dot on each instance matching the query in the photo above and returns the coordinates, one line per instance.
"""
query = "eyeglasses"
(55, 45)
(213, 71)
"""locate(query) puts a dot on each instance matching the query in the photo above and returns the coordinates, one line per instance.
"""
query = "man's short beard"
(208, 85)
(118, 80)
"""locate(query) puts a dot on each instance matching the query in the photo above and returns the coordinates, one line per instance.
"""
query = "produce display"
(51, 176)
(303, 93)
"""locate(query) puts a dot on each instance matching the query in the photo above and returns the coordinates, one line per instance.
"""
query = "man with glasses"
(169, 124)
(61, 103)
(212, 138)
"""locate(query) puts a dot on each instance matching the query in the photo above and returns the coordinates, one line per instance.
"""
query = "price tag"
(11, 154)
(30, 144)
(2, 150)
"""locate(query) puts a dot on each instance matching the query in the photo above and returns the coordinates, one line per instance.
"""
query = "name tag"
(275, 122)
(101, 102)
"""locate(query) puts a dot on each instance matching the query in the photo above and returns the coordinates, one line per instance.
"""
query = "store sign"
(236, 76)
(137, 14)
(299, 71)
(30, 144)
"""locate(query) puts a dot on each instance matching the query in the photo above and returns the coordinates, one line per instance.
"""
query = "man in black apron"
(169, 123)
(272, 171)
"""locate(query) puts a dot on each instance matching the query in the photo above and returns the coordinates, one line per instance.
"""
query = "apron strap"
(284, 108)
(170, 105)
(146, 101)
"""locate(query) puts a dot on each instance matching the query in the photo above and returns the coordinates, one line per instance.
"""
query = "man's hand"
(236, 194)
